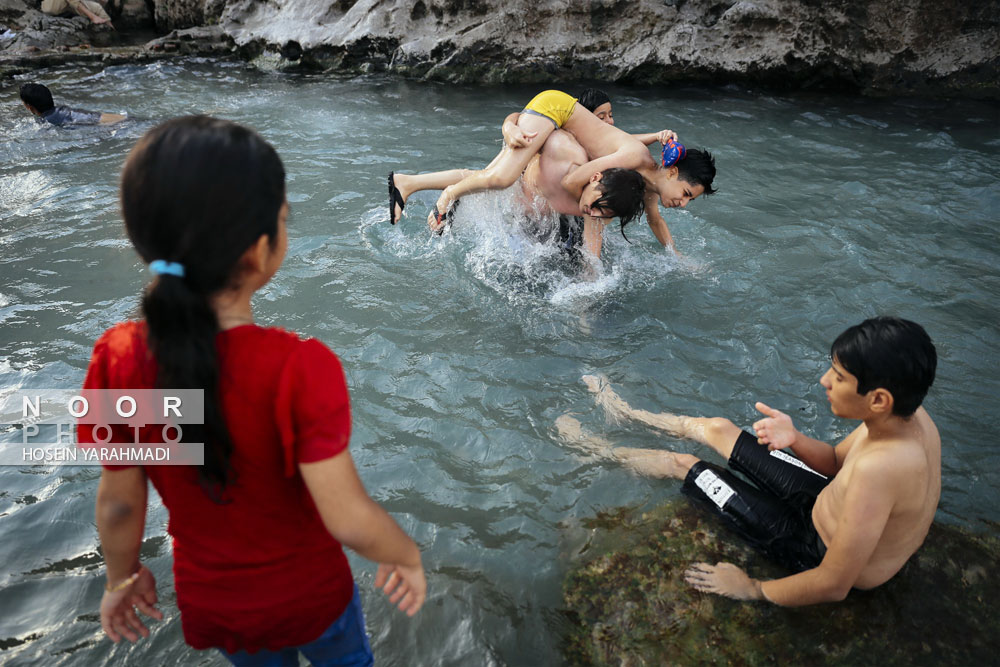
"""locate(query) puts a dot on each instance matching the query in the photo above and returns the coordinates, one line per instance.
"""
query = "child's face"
(604, 113)
(842, 392)
(675, 193)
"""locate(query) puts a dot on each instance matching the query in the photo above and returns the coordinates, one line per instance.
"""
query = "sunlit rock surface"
(891, 46)
(894, 46)
(627, 602)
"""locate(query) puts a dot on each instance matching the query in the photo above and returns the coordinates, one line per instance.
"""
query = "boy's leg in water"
(648, 462)
(501, 173)
(717, 432)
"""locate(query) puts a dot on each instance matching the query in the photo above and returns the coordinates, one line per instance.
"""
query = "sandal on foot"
(395, 197)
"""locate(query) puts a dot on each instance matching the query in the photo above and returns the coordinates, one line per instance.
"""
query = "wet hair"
(622, 193)
(592, 98)
(697, 167)
(198, 191)
(894, 354)
(38, 96)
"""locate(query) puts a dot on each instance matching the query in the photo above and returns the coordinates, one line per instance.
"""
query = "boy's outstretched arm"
(656, 221)
(660, 137)
(360, 523)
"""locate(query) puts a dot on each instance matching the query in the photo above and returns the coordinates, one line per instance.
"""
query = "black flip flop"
(394, 198)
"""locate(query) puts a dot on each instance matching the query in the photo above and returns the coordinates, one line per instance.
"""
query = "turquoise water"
(461, 351)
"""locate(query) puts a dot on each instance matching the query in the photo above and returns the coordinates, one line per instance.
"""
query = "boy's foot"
(572, 433)
(616, 409)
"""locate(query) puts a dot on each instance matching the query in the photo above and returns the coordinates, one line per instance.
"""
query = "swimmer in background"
(841, 517)
(38, 100)
(698, 169)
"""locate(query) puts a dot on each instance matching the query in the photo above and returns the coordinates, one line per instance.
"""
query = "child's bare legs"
(718, 433)
(501, 173)
(650, 462)
(407, 184)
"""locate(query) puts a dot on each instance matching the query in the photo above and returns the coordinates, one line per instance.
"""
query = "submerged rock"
(628, 604)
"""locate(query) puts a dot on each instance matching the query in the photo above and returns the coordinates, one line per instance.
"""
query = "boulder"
(893, 46)
(628, 604)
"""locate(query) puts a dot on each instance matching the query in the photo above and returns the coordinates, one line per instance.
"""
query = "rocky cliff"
(894, 46)
(926, 47)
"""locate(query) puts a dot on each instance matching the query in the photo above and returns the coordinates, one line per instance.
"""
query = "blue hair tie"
(673, 152)
(160, 266)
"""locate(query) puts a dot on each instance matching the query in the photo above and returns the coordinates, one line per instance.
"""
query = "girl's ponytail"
(196, 194)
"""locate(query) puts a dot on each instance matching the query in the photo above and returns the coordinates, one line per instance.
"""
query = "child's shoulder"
(288, 342)
(124, 337)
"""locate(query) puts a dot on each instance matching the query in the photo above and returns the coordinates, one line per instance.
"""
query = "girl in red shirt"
(257, 530)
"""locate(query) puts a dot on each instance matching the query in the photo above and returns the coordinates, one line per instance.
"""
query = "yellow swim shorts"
(555, 105)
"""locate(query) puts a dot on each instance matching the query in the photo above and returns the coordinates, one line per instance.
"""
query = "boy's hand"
(776, 431)
(404, 584)
(515, 137)
(666, 135)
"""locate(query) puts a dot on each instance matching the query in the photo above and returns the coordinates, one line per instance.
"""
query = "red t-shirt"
(259, 570)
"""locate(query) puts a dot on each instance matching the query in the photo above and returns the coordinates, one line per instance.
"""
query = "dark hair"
(38, 96)
(697, 167)
(198, 191)
(592, 98)
(888, 352)
(622, 193)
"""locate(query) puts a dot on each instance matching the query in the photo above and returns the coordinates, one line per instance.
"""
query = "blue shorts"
(774, 513)
(343, 643)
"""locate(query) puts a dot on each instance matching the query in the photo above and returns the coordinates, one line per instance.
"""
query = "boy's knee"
(721, 430)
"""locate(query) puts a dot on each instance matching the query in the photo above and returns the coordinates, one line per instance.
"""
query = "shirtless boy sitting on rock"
(841, 517)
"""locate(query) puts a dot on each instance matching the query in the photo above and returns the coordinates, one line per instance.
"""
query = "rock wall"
(924, 47)
(891, 46)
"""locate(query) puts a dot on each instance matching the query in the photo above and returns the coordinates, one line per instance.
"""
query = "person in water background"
(613, 193)
(694, 166)
(606, 145)
(38, 100)
(841, 517)
(259, 569)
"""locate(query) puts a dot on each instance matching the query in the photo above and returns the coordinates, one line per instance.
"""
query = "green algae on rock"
(629, 604)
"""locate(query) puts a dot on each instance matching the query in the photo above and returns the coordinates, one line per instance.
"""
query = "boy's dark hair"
(894, 354)
(592, 98)
(697, 167)
(38, 96)
(622, 193)
(198, 191)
